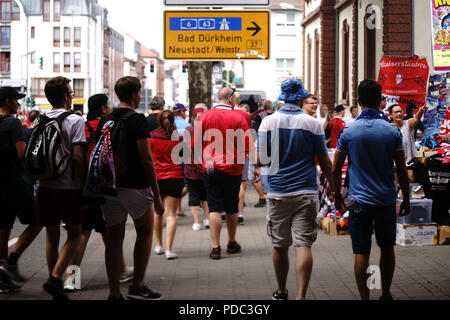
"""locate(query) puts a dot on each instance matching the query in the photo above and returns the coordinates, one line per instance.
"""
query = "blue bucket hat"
(293, 90)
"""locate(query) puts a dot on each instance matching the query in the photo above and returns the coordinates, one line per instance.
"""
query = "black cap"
(10, 93)
(339, 108)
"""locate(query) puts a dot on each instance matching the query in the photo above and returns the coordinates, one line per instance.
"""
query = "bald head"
(225, 96)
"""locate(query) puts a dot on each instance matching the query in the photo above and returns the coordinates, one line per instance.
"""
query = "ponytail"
(167, 122)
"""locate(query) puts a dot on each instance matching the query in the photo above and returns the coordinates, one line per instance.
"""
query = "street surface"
(422, 273)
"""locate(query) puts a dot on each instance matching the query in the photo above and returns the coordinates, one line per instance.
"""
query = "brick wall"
(327, 63)
(355, 55)
(397, 28)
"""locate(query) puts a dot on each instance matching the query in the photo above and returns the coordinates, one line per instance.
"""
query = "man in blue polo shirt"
(372, 145)
(290, 140)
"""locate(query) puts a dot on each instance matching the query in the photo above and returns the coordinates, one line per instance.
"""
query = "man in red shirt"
(336, 125)
(224, 137)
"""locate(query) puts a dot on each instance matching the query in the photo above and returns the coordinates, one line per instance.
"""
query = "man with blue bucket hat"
(289, 141)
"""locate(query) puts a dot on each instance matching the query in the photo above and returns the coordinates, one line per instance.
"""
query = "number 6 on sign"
(75, 278)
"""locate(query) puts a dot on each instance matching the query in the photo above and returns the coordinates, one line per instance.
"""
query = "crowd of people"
(148, 181)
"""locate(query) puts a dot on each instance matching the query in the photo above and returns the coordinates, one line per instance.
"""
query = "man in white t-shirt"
(354, 113)
(59, 199)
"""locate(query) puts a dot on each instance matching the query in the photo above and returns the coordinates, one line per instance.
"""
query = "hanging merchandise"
(437, 104)
(404, 81)
(441, 35)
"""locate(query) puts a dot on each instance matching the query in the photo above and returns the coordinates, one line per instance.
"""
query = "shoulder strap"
(91, 130)
(63, 116)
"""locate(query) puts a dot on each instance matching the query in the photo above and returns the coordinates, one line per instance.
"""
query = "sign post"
(216, 35)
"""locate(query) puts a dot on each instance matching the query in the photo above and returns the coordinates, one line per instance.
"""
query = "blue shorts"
(362, 222)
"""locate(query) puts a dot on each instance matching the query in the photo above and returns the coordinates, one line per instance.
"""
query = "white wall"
(423, 31)
(313, 5)
(310, 30)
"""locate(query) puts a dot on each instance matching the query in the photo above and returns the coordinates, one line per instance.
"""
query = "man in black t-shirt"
(137, 189)
(16, 195)
(157, 106)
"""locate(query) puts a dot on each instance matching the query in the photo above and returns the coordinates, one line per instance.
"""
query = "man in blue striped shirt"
(289, 141)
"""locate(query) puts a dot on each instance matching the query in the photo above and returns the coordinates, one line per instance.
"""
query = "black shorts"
(222, 192)
(93, 219)
(171, 187)
(197, 192)
(54, 206)
(17, 200)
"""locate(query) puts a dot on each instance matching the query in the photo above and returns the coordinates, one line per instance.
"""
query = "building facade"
(344, 41)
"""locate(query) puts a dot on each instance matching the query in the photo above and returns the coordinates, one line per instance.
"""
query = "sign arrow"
(256, 28)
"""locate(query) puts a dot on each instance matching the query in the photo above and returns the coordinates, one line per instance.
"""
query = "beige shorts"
(134, 202)
(292, 221)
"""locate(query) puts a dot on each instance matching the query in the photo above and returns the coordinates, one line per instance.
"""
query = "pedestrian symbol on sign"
(224, 25)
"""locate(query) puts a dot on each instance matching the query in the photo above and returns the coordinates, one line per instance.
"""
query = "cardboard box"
(329, 227)
(443, 235)
(416, 235)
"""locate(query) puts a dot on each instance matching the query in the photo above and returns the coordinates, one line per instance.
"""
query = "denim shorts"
(365, 219)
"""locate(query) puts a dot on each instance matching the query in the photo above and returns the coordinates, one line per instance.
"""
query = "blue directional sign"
(206, 23)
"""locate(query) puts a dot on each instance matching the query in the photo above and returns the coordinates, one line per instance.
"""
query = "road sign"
(216, 35)
(217, 2)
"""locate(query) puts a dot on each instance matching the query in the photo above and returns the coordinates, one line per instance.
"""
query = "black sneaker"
(55, 287)
(8, 286)
(215, 253)
(387, 298)
(261, 203)
(233, 247)
(224, 217)
(280, 296)
(11, 271)
(241, 220)
(116, 298)
(142, 293)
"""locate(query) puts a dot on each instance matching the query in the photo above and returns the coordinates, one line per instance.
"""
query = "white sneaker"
(159, 250)
(170, 255)
(206, 223)
(196, 227)
(69, 285)
(126, 275)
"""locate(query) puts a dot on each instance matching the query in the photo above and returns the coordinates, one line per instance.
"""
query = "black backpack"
(45, 157)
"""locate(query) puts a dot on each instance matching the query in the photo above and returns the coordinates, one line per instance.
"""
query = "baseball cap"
(179, 107)
(339, 108)
(10, 92)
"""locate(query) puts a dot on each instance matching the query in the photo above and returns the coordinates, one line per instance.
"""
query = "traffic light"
(152, 66)
(41, 63)
(185, 66)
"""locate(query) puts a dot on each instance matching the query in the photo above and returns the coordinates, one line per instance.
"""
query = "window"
(38, 87)
(5, 34)
(77, 36)
(345, 60)
(316, 62)
(66, 37)
(5, 10)
(78, 87)
(286, 19)
(56, 37)
(5, 62)
(56, 62)
(33, 32)
(369, 47)
(66, 62)
(77, 62)
(308, 63)
(46, 10)
(15, 11)
(33, 58)
(285, 66)
(57, 10)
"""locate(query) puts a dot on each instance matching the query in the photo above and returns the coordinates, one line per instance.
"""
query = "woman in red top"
(170, 180)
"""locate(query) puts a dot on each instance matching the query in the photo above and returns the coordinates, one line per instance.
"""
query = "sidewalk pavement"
(421, 273)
